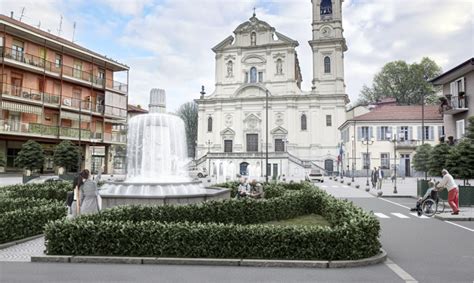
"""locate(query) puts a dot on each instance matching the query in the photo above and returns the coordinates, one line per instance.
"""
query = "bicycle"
(433, 204)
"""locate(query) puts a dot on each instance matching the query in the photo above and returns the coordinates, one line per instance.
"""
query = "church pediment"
(227, 132)
(223, 44)
(254, 24)
(252, 117)
(279, 131)
(250, 90)
(253, 59)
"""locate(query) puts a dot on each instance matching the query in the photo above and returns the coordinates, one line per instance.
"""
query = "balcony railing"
(115, 137)
(74, 72)
(74, 133)
(407, 144)
(29, 94)
(115, 111)
(83, 105)
(28, 128)
(454, 104)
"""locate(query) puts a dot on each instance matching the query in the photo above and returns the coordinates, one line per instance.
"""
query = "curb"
(381, 257)
(449, 218)
(13, 243)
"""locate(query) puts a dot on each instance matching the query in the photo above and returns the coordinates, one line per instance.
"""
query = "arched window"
(243, 168)
(327, 65)
(230, 69)
(253, 75)
(326, 7)
(209, 124)
(253, 39)
(279, 67)
(303, 122)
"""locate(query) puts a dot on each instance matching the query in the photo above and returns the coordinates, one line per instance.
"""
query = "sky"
(167, 43)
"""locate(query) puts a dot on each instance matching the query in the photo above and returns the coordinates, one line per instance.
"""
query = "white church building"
(258, 104)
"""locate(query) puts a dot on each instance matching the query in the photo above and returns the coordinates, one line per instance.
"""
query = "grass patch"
(304, 220)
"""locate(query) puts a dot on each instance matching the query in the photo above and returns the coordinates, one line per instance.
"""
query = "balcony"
(454, 104)
(116, 112)
(74, 133)
(74, 74)
(30, 61)
(402, 144)
(82, 105)
(33, 129)
(115, 138)
(23, 94)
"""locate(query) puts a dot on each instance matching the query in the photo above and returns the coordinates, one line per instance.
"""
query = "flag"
(341, 153)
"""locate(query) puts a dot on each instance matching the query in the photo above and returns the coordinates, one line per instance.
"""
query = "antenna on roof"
(22, 13)
(60, 25)
(73, 31)
(39, 25)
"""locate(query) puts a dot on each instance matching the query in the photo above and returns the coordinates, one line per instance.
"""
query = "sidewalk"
(407, 189)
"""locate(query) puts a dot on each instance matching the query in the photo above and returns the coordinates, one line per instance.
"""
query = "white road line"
(323, 186)
(460, 226)
(422, 216)
(399, 215)
(335, 186)
(381, 215)
(399, 271)
(392, 202)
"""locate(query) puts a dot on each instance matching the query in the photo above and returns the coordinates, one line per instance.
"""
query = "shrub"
(50, 191)
(9, 204)
(31, 156)
(22, 223)
(229, 229)
(66, 155)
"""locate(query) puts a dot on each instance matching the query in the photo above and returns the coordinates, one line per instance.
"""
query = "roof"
(400, 113)
(138, 108)
(459, 70)
(58, 39)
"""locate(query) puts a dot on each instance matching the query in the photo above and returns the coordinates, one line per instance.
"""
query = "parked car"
(315, 176)
(197, 172)
(45, 179)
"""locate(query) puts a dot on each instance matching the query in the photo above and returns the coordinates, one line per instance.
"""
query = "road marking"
(399, 271)
(392, 202)
(422, 216)
(381, 215)
(323, 186)
(399, 215)
(335, 186)
(460, 226)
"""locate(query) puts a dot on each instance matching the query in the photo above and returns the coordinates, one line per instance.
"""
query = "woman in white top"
(453, 190)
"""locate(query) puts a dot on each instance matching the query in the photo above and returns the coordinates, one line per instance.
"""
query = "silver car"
(197, 173)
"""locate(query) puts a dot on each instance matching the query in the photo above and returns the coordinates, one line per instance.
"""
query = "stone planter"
(357, 186)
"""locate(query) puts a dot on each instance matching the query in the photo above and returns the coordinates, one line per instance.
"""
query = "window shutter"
(452, 87)
(440, 131)
(410, 133)
(431, 137)
(359, 133)
(419, 133)
(370, 133)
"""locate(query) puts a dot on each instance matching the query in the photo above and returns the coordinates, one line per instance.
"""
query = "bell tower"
(328, 46)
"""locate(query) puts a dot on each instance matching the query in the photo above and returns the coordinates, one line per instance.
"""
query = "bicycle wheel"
(428, 207)
(441, 206)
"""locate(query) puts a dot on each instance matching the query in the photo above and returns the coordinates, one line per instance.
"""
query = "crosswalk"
(400, 215)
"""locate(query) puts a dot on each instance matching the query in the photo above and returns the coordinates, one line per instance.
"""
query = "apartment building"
(52, 89)
(457, 105)
(385, 135)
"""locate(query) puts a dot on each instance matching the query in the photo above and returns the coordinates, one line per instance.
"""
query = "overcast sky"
(167, 43)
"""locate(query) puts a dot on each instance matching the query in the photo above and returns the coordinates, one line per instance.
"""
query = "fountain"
(157, 163)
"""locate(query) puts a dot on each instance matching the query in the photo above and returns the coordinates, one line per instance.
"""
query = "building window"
(327, 65)
(77, 70)
(366, 160)
(17, 50)
(328, 120)
(459, 129)
(426, 133)
(243, 168)
(227, 145)
(441, 133)
(58, 61)
(246, 77)
(404, 133)
(385, 160)
(253, 39)
(279, 145)
(253, 75)
(365, 133)
(209, 124)
(303, 122)
(326, 7)
(384, 133)
(260, 77)
(252, 143)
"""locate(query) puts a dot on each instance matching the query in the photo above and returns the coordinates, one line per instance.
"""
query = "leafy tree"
(189, 113)
(407, 83)
(421, 158)
(470, 128)
(66, 155)
(31, 156)
(2, 160)
(438, 158)
(460, 162)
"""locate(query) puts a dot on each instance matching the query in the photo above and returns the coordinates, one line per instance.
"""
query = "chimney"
(11, 14)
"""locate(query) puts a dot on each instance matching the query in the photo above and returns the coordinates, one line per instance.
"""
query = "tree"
(66, 155)
(189, 113)
(460, 162)
(421, 158)
(407, 83)
(31, 156)
(470, 128)
(438, 158)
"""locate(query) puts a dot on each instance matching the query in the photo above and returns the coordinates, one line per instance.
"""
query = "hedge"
(22, 223)
(227, 229)
(9, 204)
(51, 191)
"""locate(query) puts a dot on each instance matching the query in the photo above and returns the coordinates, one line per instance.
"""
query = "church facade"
(258, 114)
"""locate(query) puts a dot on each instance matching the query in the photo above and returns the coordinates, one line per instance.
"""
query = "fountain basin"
(128, 193)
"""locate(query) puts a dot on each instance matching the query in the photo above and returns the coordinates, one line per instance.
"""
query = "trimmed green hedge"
(10, 204)
(22, 223)
(227, 229)
(56, 191)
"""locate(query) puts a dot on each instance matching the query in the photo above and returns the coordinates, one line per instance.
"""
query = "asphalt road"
(419, 249)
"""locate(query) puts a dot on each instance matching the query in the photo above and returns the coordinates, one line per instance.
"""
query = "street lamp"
(394, 140)
(353, 157)
(266, 136)
(367, 142)
(208, 143)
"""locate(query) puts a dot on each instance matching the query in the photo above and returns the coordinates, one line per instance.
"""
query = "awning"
(24, 108)
(116, 122)
(75, 116)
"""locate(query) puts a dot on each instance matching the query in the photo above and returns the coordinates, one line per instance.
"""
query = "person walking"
(373, 177)
(89, 193)
(379, 178)
(453, 190)
(75, 208)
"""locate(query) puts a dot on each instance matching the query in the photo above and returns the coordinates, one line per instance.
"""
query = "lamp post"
(353, 157)
(425, 77)
(394, 140)
(266, 136)
(367, 142)
(208, 143)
